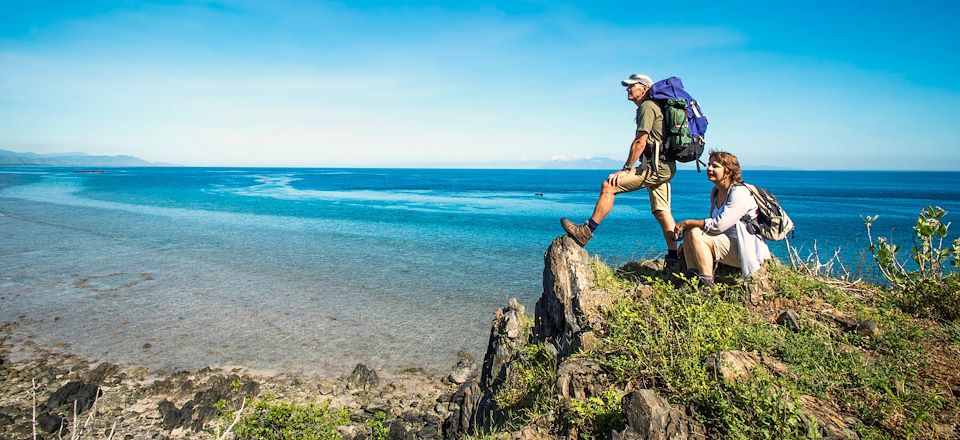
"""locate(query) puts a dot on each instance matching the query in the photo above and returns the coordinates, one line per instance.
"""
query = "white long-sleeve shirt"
(728, 219)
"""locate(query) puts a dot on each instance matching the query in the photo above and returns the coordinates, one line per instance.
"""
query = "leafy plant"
(596, 417)
(378, 426)
(272, 419)
(928, 290)
(528, 389)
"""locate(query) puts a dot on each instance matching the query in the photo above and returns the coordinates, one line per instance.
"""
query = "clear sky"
(831, 85)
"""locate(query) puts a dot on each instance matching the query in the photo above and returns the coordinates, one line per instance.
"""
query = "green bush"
(926, 290)
(596, 417)
(271, 419)
(528, 389)
(378, 426)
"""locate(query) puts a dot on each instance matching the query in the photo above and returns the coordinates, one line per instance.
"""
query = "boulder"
(827, 418)
(172, 416)
(464, 406)
(790, 320)
(464, 370)
(363, 378)
(732, 366)
(398, 431)
(580, 379)
(49, 423)
(868, 329)
(651, 417)
(84, 394)
(506, 337)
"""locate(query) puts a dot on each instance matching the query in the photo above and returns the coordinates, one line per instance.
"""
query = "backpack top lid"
(672, 88)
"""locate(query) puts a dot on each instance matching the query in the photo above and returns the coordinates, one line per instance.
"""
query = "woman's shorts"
(724, 250)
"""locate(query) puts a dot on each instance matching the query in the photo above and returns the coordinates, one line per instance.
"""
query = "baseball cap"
(637, 78)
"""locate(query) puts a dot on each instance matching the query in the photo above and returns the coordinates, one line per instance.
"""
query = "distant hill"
(71, 160)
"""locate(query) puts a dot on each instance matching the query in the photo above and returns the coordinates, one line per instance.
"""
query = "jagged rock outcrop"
(566, 275)
(473, 407)
(363, 379)
(565, 315)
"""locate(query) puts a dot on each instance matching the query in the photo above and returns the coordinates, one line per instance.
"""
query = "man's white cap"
(637, 78)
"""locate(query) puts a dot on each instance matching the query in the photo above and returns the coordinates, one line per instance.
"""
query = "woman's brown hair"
(730, 162)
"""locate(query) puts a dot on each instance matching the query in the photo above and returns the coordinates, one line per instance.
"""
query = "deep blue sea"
(314, 270)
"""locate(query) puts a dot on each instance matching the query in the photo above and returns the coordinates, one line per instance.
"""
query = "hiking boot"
(580, 233)
(672, 265)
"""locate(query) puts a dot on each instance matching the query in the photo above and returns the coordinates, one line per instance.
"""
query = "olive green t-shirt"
(650, 120)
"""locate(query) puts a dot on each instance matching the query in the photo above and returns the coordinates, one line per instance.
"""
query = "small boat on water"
(89, 171)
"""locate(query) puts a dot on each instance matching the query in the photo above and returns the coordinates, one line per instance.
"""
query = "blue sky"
(831, 85)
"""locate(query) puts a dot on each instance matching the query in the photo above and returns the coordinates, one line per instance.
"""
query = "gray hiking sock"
(707, 280)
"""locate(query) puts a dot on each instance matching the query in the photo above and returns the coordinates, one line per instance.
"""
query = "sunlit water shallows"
(314, 270)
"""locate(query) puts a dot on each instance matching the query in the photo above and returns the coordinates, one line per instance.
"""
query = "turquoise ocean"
(314, 270)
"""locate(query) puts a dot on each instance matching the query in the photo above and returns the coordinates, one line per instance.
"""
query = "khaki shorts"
(657, 184)
(723, 250)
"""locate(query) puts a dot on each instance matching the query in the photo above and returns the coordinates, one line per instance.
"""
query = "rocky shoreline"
(137, 403)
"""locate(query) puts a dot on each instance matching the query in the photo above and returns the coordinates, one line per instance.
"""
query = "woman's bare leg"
(702, 251)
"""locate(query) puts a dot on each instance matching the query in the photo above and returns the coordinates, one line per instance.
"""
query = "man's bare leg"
(665, 218)
(605, 203)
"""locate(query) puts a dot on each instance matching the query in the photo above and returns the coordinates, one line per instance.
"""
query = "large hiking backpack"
(684, 124)
(772, 222)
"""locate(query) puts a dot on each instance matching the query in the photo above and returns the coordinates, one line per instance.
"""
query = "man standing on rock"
(653, 173)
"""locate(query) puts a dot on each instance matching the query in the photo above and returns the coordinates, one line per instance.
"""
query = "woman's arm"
(737, 205)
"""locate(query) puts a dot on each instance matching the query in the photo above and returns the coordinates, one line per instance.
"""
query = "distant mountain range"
(72, 160)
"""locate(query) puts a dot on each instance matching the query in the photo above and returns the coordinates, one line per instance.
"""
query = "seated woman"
(723, 237)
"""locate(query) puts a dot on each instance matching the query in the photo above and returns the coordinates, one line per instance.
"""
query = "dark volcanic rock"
(463, 420)
(49, 423)
(363, 378)
(398, 431)
(84, 394)
(173, 417)
(102, 372)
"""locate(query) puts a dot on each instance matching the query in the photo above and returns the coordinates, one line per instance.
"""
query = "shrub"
(378, 426)
(528, 389)
(270, 419)
(596, 417)
(927, 290)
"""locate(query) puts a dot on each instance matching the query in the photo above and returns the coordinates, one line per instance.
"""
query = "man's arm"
(636, 149)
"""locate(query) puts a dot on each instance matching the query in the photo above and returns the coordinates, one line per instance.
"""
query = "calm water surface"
(314, 270)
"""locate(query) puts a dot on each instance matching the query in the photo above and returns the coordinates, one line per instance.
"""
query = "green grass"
(661, 342)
